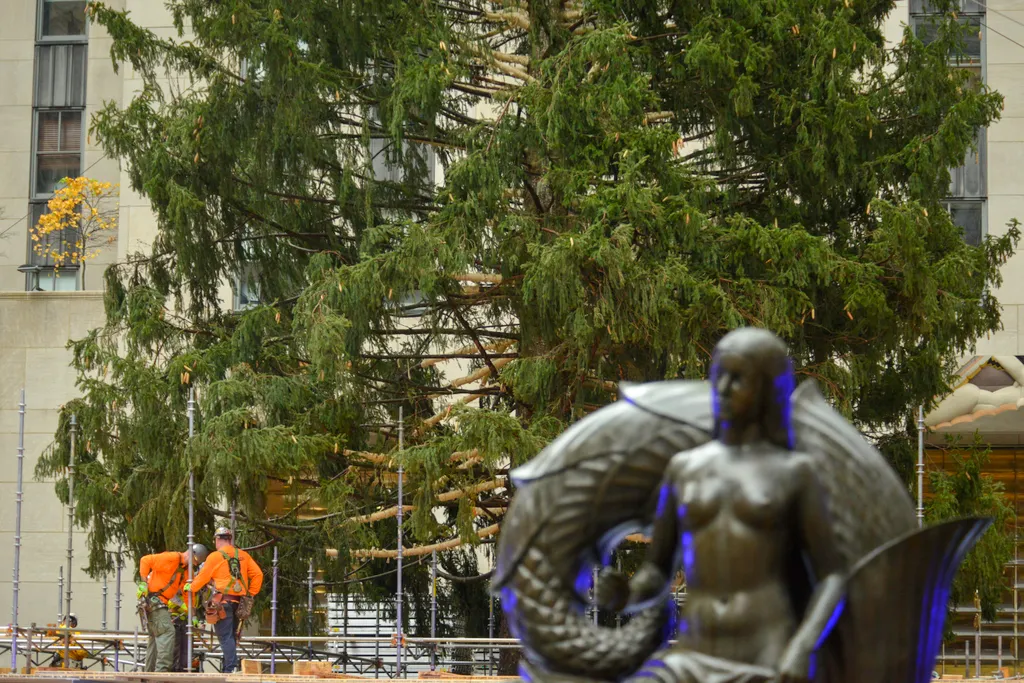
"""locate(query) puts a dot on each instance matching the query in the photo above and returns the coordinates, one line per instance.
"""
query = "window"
(967, 182)
(60, 69)
(62, 19)
(39, 272)
(247, 288)
(970, 216)
(60, 75)
(926, 27)
(58, 149)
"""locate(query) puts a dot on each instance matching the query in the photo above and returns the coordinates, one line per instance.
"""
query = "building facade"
(55, 73)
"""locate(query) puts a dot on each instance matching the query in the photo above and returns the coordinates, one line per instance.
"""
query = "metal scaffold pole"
(920, 466)
(490, 634)
(398, 601)
(191, 522)
(117, 607)
(71, 539)
(433, 608)
(103, 618)
(309, 609)
(18, 497)
(273, 616)
(60, 594)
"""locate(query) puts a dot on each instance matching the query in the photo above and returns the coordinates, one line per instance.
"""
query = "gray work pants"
(160, 649)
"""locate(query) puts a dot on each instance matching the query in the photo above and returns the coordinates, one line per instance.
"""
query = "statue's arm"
(819, 543)
(652, 578)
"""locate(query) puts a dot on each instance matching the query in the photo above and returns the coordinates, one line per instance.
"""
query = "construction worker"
(75, 653)
(163, 575)
(236, 580)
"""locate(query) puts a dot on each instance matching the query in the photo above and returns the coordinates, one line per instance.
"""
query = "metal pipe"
(233, 524)
(398, 602)
(18, 497)
(967, 659)
(191, 522)
(920, 466)
(977, 654)
(376, 641)
(344, 632)
(135, 656)
(273, 616)
(490, 634)
(28, 655)
(433, 607)
(60, 594)
(71, 539)
(117, 608)
(103, 619)
(594, 592)
(309, 609)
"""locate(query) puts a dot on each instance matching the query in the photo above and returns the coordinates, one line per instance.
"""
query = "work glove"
(141, 590)
(187, 588)
(196, 623)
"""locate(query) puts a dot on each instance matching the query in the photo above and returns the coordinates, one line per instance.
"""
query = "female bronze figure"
(787, 524)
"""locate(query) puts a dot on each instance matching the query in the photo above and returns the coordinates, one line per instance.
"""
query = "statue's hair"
(770, 357)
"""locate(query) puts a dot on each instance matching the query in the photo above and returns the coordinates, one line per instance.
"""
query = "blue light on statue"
(785, 384)
(663, 499)
(836, 613)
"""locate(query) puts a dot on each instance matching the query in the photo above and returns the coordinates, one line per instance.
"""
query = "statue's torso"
(736, 509)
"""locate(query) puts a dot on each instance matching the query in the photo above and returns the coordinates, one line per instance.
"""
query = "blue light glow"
(524, 673)
(686, 545)
(836, 613)
(784, 385)
(663, 499)
(509, 604)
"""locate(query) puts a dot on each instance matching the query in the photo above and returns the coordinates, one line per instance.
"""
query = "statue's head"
(752, 382)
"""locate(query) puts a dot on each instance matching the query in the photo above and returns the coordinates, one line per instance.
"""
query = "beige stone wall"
(34, 328)
(1003, 39)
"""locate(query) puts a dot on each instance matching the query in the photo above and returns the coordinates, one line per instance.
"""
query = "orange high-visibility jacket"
(158, 569)
(216, 569)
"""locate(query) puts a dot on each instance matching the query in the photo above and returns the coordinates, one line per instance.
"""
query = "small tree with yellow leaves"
(81, 220)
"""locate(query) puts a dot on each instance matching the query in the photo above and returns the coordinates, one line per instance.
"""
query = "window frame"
(41, 39)
(39, 47)
(37, 153)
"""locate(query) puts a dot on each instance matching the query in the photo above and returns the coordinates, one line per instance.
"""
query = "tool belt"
(214, 608)
(244, 609)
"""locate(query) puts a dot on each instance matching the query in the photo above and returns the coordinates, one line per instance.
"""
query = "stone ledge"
(37, 296)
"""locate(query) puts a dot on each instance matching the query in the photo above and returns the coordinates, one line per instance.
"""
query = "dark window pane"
(48, 132)
(968, 179)
(927, 29)
(60, 76)
(64, 17)
(71, 131)
(52, 168)
(59, 131)
(967, 215)
(59, 241)
(963, 7)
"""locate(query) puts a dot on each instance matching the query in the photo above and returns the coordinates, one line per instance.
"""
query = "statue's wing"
(896, 605)
(868, 504)
(598, 479)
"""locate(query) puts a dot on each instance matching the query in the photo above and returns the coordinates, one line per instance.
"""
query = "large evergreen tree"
(623, 182)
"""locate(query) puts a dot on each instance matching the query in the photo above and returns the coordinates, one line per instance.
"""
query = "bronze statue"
(799, 544)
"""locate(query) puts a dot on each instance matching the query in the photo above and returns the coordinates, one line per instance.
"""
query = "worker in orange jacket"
(163, 575)
(236, 580)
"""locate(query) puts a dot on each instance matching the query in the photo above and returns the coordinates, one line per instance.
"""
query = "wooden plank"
(312, 668)
(251, 666)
